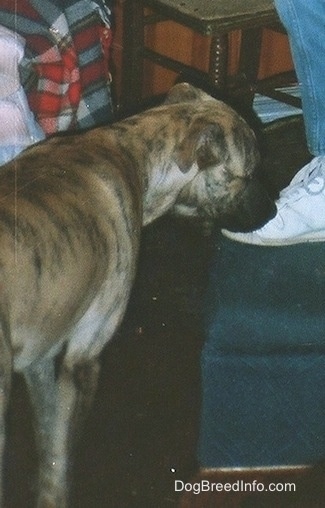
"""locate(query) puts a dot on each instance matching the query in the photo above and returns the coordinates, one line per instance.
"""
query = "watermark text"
(236, 486)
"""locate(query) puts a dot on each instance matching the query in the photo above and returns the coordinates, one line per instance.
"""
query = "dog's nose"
(254, 208)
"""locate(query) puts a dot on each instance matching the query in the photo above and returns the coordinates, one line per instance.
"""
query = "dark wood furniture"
(210, 18)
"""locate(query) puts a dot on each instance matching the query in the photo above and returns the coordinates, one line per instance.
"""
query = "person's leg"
(301, 206)
(305, 24)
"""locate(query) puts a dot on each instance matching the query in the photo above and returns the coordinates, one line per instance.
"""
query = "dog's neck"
(154, 156)
(164, 183)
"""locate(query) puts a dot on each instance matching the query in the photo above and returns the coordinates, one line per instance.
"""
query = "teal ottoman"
(263, 363)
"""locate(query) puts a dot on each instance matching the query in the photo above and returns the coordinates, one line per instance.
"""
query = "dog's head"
(226, 187)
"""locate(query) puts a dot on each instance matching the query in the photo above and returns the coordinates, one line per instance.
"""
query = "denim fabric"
(263, 363)
(305, 23)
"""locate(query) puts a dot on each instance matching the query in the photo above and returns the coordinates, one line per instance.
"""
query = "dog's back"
(63, 233)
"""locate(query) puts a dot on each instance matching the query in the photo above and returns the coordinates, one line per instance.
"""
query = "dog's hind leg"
(41, 382)
(5, 383)
(59, 401)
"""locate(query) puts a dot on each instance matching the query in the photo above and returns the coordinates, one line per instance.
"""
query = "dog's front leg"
(58, 404)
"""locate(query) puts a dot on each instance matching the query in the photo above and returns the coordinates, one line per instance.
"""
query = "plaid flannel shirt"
(65, 70)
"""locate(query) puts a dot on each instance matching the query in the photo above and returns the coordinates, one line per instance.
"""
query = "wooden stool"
(213, 19)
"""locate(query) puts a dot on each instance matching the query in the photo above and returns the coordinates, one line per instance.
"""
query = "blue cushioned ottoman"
(263, 363)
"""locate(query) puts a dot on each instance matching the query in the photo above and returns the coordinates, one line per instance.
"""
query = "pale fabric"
(18, 127)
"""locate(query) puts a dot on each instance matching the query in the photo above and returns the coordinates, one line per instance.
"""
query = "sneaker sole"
(312, 238)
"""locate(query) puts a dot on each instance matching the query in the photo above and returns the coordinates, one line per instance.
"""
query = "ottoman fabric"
(263, 363)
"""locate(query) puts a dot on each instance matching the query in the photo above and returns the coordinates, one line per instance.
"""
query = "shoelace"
(305, 183)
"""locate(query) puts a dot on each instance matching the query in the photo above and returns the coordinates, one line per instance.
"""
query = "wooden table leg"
(133, 42)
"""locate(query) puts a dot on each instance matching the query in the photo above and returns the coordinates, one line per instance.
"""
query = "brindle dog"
(71, 211)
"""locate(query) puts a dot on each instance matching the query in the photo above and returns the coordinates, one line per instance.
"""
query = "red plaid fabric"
(58, 92)
(65, 71)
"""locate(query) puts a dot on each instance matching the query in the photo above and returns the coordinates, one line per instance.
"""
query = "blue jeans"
(304, 21)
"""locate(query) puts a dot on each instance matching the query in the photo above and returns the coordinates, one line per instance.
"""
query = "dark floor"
(142, 431)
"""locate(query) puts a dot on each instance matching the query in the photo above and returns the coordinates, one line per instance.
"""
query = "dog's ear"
(184, 92)
(198, 144)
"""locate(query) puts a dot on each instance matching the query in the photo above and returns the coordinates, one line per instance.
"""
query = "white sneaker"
(300, 211)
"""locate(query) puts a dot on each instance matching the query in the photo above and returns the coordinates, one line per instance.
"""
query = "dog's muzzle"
(253, 208)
